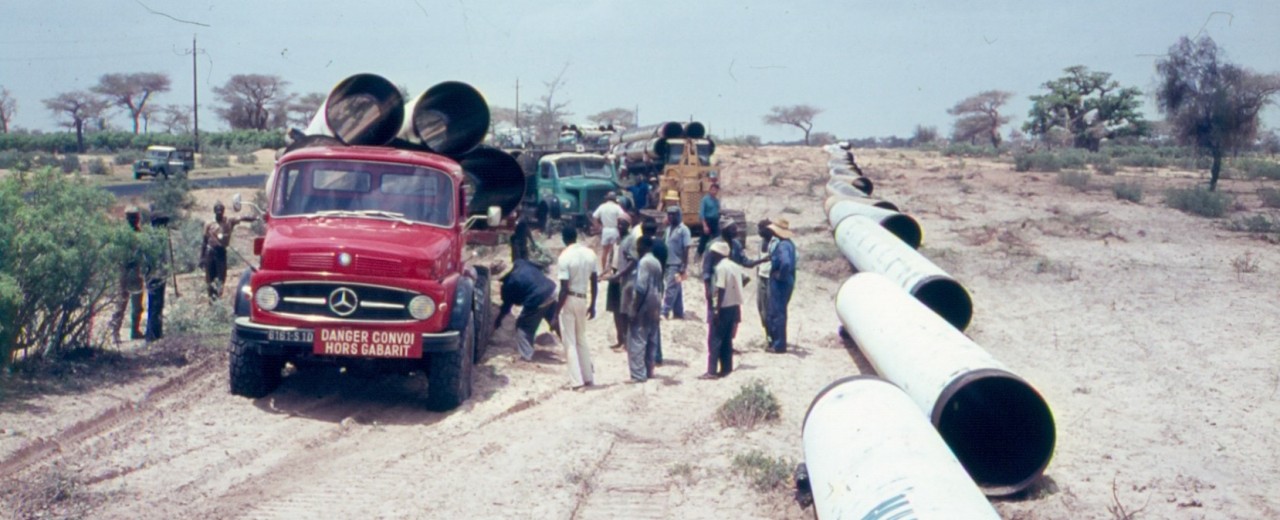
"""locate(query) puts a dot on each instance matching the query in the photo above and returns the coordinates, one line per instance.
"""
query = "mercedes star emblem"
(343, 301)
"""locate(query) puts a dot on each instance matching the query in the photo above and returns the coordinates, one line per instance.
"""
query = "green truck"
(164, 161)
(567, 185)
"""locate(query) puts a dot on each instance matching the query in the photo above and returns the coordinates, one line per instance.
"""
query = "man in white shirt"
(578, 269)
(606, 217)
(726, 308)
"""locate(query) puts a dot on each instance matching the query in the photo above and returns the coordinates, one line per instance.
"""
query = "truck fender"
(553, 206)
(242, 294)
(462, 296)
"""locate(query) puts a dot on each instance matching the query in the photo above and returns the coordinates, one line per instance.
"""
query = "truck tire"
(483, 312)
(449, 373)
(252, 374)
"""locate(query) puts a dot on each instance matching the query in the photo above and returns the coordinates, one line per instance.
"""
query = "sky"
(875, 68)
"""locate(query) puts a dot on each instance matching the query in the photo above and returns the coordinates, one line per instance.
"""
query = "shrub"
(1130, 191)
(171, 195)
(969, 150)
(244, 154)
(1270, 197)
(1198, 201)
(1105, 167)
(1036, 161)
(69, 163)
(15, 160)
(753, 404)
(765, 473)
(1259, 169)
(214, 159)
(99, 167)
(1074, 179)
(127, 157)
(1254, 224)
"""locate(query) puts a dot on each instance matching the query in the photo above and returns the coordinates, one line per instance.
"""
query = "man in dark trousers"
(620, 278)
(130, 283)
(709, 213)
(726, 307)
(526, 285)
(213, 249)
(157, 278)
(782, 281)
(762, 264)
(644, 332)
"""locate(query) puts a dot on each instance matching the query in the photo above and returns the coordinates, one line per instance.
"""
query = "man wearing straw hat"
(782, 281)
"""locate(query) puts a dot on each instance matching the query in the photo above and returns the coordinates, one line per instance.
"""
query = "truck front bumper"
(274, 340)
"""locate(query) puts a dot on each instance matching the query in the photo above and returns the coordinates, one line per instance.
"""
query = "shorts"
(609, 236)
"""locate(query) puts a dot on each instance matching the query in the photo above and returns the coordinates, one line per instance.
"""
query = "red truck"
(364, 260)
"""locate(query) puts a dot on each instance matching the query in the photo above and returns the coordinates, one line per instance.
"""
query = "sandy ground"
(1157, 356)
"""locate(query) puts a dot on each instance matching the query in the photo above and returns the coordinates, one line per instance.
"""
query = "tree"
(1211, 103)
(8, 106)
(1090, 106)
(78, 107)
(924, 135)
(799, 116)
(300, 110)
(250, 100)
(175, 118)
(547, 117)
(978, 116)
(614, 116)
(132, 91)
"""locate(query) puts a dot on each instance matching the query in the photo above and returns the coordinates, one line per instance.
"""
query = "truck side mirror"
(494, 216)
(235, 202)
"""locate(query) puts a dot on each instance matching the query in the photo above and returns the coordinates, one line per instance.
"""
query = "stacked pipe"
(450, 119)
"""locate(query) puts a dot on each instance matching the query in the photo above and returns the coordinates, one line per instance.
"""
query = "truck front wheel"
(449, 373)
(252, 374)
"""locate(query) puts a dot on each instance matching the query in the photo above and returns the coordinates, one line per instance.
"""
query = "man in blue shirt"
(676, 237)
(782, 281)
(526, 285)
(709, 213)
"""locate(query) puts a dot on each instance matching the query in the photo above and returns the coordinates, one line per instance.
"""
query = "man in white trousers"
(578, 269)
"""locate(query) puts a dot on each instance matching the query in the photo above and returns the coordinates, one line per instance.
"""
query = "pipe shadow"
(859, 359)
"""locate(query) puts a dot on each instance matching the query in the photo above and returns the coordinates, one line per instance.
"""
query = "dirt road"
(1157, 358)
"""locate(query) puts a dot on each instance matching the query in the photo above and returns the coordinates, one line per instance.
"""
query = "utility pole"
(195, 95)
(518, 108)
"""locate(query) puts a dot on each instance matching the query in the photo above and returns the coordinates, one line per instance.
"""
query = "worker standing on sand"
(659, 250)
(606, 217)
(130, 282)
(677, 237)
(525, 284)
(727, 306)
(158, 272)
(709, 213)
(213, 248)
(615, 296)
(762, 264)
(578, 269)
(643, 336)
(782, 281)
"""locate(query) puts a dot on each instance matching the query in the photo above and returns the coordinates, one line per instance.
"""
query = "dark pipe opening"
(365, 109)
(695, 130)
(889, 206)
(905, 228)
(946, 297)
(999, 428)
(495, 178)
(672, 130)
(451, 118)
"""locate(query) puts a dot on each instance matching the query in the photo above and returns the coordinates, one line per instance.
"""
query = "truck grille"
(591, 199)
(322, 299)
(311, 261)
(374, 266)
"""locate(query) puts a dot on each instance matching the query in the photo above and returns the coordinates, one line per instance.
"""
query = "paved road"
(135, 189)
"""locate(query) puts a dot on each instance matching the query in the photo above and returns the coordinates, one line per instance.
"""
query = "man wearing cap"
(728, 231)
(213, 248)
(578, 269)
(644, 332)
(606, 217)
(617, 299)
(726, 305)
(782, 281)
(677, 237)
(130, 282)
(709, 213)
(526, 285)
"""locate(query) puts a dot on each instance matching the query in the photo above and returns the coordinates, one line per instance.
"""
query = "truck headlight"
(422, 307)
(267, 298)
(565, 203)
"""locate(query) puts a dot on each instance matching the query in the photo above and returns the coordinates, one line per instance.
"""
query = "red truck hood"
(376, 247)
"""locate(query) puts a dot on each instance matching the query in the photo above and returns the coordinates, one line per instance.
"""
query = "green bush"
(970, 150)
(1254, 224)
(753, 404)
(99, 167)
(1270, 197)
(69, 163)
(1130, 191)
(1258, 168)
(1105, 167)
(244, 154)
(1036, 161)
(1074, 179)
(214, 159)
(1198, 201)
(1143, 160)
(765, 473)
(12, 159)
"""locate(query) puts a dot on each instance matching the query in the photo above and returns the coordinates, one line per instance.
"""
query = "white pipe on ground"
(1000, 429)
(901, 225)
(871, 248)
(870, 454)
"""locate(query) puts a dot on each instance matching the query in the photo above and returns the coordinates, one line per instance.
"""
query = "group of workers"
(646, 265)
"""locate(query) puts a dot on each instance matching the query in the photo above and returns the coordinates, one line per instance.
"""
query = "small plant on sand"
(1130, 191)
(682, 472)
(1074, 179)
(765, 473)
(1244, 264)
(1198, 201)
(753, 404)
(1270, 197)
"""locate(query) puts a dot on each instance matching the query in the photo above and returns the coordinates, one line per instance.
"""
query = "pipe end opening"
(999, 428)
(948, 298)
(905, 228)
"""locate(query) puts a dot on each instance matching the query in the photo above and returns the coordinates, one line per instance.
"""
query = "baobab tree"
(799, 116)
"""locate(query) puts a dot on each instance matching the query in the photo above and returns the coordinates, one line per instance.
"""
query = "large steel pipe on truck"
(450, 118)
(653, 150)
(902, 226)
(871, 248)
(363, 109)
(695, 130)
(496, 180)
(870, 454)
(665, 130)
(1000, 429)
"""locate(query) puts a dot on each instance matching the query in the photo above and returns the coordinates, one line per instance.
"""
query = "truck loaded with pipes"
(570, 181)
(364, 263)
(682, 156)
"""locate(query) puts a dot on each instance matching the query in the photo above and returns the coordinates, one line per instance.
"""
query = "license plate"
(291, 336)
(367, 343)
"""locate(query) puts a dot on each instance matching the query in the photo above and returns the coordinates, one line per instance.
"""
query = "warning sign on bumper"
(367, 343)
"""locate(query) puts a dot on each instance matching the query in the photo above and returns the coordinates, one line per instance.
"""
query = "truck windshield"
(365, 189)
(579, 167)
(158, 154)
